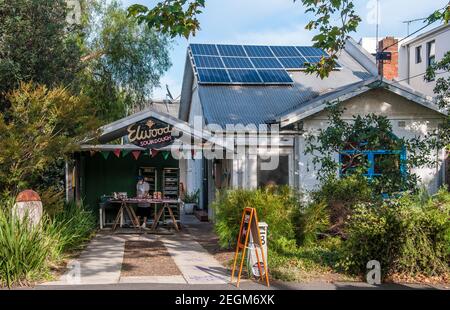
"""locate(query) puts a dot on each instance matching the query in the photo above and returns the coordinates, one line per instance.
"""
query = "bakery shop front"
(133, 175)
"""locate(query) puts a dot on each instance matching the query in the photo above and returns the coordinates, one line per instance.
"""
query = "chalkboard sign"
(249, 225)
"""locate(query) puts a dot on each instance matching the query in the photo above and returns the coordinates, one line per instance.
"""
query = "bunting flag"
(105, 154)
(92, 152)
(165, 154)
(154, 152)
(117, 153)
(125, 152)
(136, 154)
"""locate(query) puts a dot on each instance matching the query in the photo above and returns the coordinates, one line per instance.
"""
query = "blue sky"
(281, 22)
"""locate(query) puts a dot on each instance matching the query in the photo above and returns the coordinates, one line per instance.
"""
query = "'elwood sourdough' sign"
(151, 134)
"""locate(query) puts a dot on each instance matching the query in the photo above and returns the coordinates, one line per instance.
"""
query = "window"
(277, 176)
(373, 163)
(431, 53)
(418, 54)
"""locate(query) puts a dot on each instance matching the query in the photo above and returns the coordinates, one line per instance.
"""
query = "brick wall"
(389, 68)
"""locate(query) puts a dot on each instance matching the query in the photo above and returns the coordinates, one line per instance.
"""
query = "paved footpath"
(101, 262)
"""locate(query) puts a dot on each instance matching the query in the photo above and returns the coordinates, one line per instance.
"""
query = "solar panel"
(275, 76)
(231, 50)
(266, 62)
(208, 62)
(285, 51)
(293, 62)
(244, 76)
(213, 76)
(258, 51)
(311, 51)
(204, 49)
(313, 60)
(237, 62)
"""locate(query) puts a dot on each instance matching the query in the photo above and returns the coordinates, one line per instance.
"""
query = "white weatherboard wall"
(194, 167)
(412, 72)
(418, 121)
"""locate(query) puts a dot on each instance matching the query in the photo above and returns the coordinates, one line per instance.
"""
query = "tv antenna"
(409, 22)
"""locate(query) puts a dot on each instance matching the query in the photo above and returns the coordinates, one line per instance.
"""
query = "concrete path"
(101, 262)
(196, 264)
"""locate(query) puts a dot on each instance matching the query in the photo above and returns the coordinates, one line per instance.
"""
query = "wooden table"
(125, 206)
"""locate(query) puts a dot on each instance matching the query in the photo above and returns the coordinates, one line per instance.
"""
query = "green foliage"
(23, 249)
(124, 60)
(27, 252)
(36, 45)
(408, 236)
(172, 17)
(39, 128)
(277, 207)
(71, 227)
(335, 20)
(191, 197)
(313, 220)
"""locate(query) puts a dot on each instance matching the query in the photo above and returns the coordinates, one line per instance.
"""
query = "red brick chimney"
(389, 68)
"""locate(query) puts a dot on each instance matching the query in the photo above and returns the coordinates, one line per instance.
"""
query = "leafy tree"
(124, 60)
(172, 17)
(36, 44)
(41, 126)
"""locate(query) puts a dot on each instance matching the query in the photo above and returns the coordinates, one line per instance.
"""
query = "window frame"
(370, 154)
(419, 54)
(429, 55)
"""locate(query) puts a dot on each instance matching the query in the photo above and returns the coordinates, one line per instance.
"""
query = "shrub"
(277, 206)
(71, 228)
(406, 235)
(23, 249)
(27, 252)
(313, 220)
(341, 195)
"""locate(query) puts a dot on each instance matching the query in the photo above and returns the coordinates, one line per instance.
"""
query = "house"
(418, 53)
(243, 117)
(227, 85)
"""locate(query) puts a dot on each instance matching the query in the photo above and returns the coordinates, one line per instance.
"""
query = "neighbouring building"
(418, 53)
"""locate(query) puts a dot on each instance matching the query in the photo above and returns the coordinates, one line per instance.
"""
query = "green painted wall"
(104, 176)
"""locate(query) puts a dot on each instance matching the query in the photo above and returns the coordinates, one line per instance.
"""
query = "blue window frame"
(370, 158)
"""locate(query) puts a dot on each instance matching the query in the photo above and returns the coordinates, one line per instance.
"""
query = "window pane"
(419, 54)
(351, 162)
(386, 163)
(277, 176)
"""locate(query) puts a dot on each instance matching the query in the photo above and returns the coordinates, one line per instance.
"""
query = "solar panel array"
(251, 64)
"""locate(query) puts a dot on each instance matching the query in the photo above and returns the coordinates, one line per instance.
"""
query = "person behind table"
(143, 209)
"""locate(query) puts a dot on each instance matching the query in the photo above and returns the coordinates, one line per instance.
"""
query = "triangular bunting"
(92, 152)
(154, 152)
(136, 154)
(105, 154)
(125, 152)
(165, 154)
(117, 153)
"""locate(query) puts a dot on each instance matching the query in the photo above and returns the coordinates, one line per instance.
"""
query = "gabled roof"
(258, 104)
(115, 129)
(344, 93)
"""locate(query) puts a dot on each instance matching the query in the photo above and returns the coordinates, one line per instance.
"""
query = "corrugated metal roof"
(233, 104)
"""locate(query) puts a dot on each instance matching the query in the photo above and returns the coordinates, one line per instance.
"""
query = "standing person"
(143, 209)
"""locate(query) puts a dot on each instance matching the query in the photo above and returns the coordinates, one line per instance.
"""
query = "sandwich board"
(249, 226)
